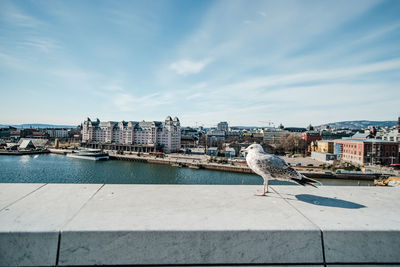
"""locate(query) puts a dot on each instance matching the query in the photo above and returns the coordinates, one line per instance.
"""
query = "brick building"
(367, 151)
(311, 136)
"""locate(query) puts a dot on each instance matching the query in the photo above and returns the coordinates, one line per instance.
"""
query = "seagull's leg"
(263, 192)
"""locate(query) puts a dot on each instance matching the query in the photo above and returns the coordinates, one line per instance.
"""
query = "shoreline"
(199, 162)
(21, 153)
(240, 169)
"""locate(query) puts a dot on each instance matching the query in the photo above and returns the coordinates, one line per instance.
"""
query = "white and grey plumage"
(270, 166)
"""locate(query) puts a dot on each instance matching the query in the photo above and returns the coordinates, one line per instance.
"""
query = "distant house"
(230, 152)
(325, 146)
(311, 136)
(26, 145)
(37, 135)
(212, 151)
(5, 132)
(36, 142)
(12, 146)
(15, 136)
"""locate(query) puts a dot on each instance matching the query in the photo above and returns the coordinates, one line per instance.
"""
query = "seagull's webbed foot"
(261, 193)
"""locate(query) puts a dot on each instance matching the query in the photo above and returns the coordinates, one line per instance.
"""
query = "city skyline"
(290, 62)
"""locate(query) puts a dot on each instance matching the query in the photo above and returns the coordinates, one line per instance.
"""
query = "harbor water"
(53, 168)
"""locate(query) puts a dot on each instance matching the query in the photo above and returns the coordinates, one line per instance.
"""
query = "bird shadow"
(328, 202)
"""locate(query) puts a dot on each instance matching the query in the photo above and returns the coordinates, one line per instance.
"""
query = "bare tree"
(293, 143)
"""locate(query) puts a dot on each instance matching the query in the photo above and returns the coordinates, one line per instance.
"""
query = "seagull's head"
(254, 148)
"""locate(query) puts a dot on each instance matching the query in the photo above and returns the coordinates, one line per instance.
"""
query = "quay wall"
(21, 153)
(192, 225)
(240, 169)
(198, 164)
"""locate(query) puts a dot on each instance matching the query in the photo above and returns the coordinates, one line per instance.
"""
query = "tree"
(291, 142)
(202, 140)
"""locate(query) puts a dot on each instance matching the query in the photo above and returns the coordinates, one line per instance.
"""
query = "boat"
(89, 154)
(195, 167)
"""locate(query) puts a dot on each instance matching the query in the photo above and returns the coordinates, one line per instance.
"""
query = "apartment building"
(367, 151)
(165, 135)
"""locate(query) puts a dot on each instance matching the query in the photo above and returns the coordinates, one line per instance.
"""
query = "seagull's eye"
(251, 148)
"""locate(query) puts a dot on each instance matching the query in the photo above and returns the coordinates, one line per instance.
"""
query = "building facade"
(223, 126)
(215, 137)
(367, 151)
(324, 146)
(57, 132)
(311, 136)
(273, 136)
(165, 136)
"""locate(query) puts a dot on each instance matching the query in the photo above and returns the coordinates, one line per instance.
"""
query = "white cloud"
(126, 101)
(262, 14)
(185, 67)
(313, 76)
(12, 15)
(44, 44)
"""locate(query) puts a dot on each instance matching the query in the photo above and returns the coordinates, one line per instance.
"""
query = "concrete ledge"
(188, 247)
(30, 227)
(359, 224)
(75, 224)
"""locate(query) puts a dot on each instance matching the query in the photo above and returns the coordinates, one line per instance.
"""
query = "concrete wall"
(80, 224)
(323, 157)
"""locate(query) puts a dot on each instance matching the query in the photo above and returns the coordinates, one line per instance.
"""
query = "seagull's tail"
(307, 181)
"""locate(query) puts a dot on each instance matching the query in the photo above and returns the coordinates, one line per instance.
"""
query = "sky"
(245, 62)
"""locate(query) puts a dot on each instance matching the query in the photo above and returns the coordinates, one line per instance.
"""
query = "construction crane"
(269, 123)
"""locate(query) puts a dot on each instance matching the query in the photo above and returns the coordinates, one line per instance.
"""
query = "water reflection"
(24, 159)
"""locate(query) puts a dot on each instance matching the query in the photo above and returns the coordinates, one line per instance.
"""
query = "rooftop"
(370, 140)
(96, 224)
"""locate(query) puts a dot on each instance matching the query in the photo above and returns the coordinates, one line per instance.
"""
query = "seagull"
(270, 166)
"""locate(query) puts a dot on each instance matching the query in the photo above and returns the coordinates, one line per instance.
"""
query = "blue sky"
(245, 62)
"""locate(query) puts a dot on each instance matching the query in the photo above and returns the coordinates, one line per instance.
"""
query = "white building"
(166, 135)
(223, 126)
(57, 132)
(273, 135)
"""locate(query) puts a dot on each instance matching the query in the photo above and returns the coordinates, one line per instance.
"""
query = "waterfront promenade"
(96, 224)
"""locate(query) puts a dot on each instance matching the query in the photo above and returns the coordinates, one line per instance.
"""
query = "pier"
(115, 225)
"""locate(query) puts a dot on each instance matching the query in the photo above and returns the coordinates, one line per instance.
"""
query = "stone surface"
(359, 224)
(363, 265)
(10, 193)
(28, 248)
(197, 224)
(188, 225)
(29, 228)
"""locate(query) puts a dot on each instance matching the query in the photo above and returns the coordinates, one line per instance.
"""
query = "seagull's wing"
(275, 167)
(267, 164)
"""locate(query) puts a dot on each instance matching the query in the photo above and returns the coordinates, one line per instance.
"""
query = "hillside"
(37, 125)
(359, 124)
